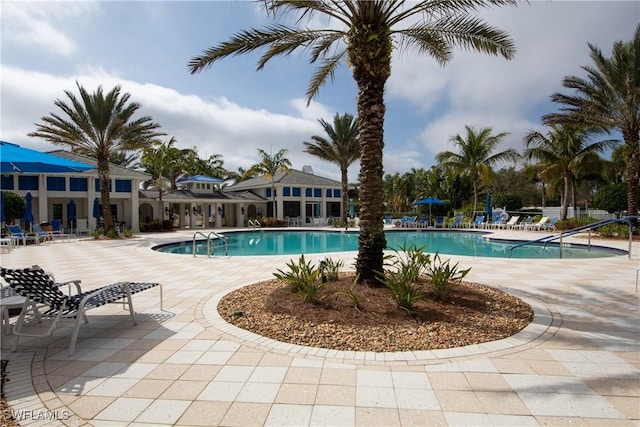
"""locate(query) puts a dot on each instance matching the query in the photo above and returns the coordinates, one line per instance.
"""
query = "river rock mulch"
(473, 314)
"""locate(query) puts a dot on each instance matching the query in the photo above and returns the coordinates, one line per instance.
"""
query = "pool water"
(280, 242)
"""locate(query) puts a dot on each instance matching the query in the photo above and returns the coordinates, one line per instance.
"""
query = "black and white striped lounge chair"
(40, 287)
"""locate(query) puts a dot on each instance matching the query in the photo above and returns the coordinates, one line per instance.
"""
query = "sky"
(233, 110)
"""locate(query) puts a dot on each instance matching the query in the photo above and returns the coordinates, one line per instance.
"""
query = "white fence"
(582, 213)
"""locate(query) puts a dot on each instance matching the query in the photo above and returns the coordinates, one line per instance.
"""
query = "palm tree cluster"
(367, 31)
(363, 34)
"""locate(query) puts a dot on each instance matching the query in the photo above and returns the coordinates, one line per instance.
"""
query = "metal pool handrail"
(587, 227)
(219, 237)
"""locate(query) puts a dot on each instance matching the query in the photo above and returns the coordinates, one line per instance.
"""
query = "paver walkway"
(577, 364)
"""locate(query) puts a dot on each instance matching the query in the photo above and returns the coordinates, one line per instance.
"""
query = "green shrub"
(303, 278)
(444, 276)
(403, 278)
(351, 294)
(614, 230)
(331, 268)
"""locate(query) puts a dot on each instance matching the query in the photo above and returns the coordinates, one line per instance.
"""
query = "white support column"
(135, 207)
(43, 200)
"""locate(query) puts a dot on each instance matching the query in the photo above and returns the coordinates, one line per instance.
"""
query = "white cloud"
(42, 25)
(217, 126)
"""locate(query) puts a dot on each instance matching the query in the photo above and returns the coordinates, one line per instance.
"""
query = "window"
(97, 185)
(78, 184)
(57, 211)
(307, 192)
(296, 191)
(317, 192)
(27, 182)
(286, 191)
(329, 192)
(7, 182)
(56, 183)
(267, 192)
(336, 192)
(123, 186)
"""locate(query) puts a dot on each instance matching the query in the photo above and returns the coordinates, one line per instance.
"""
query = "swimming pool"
(288, 242)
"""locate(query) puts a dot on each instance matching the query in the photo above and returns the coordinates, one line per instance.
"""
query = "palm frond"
(319, 78)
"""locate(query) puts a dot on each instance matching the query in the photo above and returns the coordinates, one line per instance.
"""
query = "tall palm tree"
(342, 148)
(561, 152)
(609, 97)
(476, 156)
(212, 166)
(365, 34)
(269, 166)
(157, 162)
(100, 124)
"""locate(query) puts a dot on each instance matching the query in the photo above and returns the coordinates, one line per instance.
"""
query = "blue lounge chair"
(551, 225)
(476, 223)
(57, 231)
(42, 235)
(457, 222)
(439, 222)
(17, 235)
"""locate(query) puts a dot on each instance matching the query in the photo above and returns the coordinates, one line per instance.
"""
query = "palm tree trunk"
(633, 171)
(565, 198)
(475, 197)
(574, 198)
(345, 195)
(370, 56)
(103, 176)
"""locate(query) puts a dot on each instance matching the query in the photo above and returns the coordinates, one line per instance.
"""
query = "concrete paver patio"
(577, 364)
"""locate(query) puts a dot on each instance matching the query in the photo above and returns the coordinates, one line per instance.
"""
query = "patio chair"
(537, 226)
(439, 222)
(511, 223)
(524, 224)
(36, 285)
(17, 235)
(551, 225)
(457, 222)
(476, 223)
(43, 236)
(82, 226)
(57, 231)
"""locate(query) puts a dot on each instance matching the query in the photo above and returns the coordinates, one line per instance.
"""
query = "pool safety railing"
(253, 223)
(211, 238)
(588, 227)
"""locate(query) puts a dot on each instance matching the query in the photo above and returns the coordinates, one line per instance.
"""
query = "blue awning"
(200, 178)
(17, 159)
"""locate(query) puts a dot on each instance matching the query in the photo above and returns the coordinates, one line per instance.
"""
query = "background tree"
(609, 97)
(342, 148)
(100, 124)
(514, 185)
(475, 156)
(156, 161)
(269, 166)
(365, 32)
(612, 198)
(212, 166)
(14, 206)
(561, 151)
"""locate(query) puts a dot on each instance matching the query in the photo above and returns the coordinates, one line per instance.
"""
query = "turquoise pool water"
(281, 242)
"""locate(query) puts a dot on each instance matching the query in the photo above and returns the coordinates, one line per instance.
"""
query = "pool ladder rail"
(253, 224)
(211, 237)
(588, 227)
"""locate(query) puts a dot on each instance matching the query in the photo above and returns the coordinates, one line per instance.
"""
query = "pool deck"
(577, 363)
